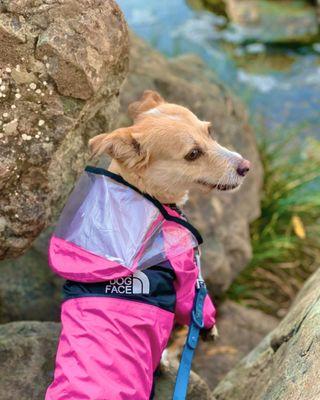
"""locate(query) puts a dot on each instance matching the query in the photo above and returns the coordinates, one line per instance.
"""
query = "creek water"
(279, 83)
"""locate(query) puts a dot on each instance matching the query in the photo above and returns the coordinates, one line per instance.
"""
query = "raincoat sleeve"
(186, 275)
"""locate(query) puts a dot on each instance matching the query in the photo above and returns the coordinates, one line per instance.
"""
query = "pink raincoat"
(131, 271)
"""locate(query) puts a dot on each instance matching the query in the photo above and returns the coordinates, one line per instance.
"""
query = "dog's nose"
(243, 167)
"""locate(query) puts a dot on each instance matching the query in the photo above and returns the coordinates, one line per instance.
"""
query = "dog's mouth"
(218, 186)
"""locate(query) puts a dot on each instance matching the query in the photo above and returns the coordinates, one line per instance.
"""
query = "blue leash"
(196, 324)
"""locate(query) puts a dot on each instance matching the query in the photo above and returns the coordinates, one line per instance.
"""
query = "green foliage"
(286, 237)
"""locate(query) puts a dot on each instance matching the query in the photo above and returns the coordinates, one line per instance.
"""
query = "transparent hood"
(110, 219)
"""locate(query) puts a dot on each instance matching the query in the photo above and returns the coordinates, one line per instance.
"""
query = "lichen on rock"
(61, 67)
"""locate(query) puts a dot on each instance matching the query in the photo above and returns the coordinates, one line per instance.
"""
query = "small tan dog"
(120, 308)
(168, 151)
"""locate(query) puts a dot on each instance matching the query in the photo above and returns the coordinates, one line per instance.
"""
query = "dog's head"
(168, 151)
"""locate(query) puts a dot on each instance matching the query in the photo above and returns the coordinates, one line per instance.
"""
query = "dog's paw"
(214, 333)
(165, 361)
(210, 335)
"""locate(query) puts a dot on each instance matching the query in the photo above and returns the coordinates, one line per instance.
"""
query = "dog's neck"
(136, 180)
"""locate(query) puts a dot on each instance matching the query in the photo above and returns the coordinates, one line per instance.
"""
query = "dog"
(169, 151)
(128, 252)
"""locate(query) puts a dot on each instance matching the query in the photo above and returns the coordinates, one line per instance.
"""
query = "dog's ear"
(120, 145)
(150, 99)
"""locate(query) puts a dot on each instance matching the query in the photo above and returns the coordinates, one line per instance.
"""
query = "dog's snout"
(243, 167)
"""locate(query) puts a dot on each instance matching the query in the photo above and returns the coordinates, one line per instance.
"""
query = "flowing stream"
(280, 83)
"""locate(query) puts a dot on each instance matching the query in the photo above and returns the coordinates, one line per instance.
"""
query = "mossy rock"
(216, 6)
(274, 21)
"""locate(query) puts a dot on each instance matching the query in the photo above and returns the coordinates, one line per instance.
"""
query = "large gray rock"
(61, 67)
(223, 219)
(28, 289)
(240, 330)
(27, 353)
(286, 363)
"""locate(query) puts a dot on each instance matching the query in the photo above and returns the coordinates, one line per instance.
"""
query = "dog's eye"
(193, 154)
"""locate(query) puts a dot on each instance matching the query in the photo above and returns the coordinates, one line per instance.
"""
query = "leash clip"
(200, 283)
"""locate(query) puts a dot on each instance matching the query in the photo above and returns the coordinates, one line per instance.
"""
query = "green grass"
(286, 237)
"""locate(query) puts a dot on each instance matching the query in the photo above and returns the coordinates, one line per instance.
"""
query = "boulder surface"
(222, 218)
(285, 365)
(61, 67)
(28, 289)
(27, 353)
(240, 330)
(165, 381)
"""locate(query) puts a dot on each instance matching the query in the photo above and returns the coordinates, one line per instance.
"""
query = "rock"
(28, 289)
(61, 67)
(223, 219)
(240, 330)
(27, 353)
(10, 127)
(216, 6)
(273, 21)
(197, 390)
(285, 365)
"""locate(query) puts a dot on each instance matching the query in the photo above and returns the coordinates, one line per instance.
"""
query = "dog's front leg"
(208, 335)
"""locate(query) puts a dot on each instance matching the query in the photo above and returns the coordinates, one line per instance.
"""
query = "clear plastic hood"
(105, 217)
